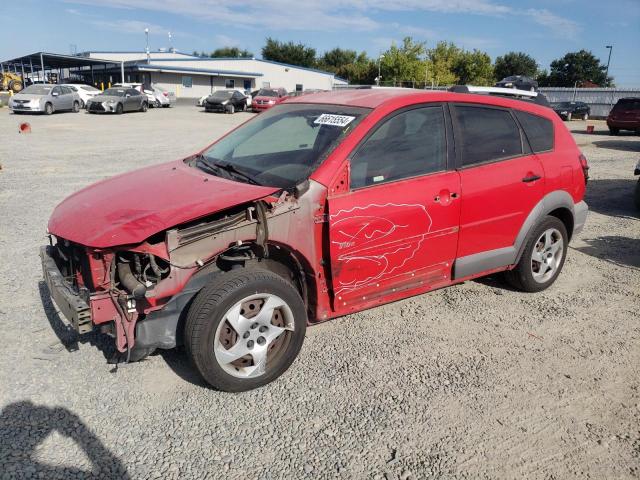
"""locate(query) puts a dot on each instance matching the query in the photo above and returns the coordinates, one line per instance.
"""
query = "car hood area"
(27, 96)
(129, 208)
(107, 98)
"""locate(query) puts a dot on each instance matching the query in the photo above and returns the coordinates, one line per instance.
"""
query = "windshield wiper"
(233, 170)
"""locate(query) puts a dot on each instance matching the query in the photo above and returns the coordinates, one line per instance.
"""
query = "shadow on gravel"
(621, 145)
(621, 251)
(178, 362)
(612, 197)
(24, 426)
(602, 133)
(68, 337)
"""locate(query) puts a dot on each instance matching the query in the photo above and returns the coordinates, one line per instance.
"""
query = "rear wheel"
(245, 329)
(158, 104)
(48, 109)
(585, 117)
(231, 109)
(76, 107)
(569, 116)
(543, 257)
(119, 109)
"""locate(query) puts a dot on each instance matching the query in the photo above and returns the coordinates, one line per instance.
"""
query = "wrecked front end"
(139, 294)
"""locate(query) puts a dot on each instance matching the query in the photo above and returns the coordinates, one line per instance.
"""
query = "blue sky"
(546, 29)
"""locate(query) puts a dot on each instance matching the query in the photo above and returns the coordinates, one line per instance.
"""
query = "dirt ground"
(473, 381)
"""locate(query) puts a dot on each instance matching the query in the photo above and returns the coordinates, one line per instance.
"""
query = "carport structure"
(36, 65)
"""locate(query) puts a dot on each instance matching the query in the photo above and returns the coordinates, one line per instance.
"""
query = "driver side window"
(408, 144)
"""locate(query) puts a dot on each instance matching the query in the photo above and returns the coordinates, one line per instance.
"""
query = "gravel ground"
(473, 381)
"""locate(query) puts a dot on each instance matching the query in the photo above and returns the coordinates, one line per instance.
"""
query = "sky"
(545, 29)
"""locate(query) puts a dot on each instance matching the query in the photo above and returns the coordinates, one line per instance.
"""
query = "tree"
(292, 53)
(404, 63)
(441, 60)
(230, 52)
(578, 68)
(473, 68)
(337, 58)
(515, 63)
(363, 71)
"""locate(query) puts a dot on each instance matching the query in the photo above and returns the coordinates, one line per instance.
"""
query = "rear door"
(396, 228)
(501, 182)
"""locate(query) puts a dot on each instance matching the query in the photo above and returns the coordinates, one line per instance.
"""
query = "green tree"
(292, 53)
(515, 63)
(362, 71)
(404, 63)
(473, 68)
(230, 52)
(441, 59)
(337, 58)
(578, 68)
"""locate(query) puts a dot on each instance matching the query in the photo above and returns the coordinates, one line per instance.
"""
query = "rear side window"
(628, 104)
(408, 144)
(539, 131)
(486, 134)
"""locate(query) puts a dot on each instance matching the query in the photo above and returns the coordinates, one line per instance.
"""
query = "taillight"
(585, 167)
(166, 94)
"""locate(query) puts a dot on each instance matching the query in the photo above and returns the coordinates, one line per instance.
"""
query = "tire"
(585, 117)
(144, 107)
(15, 85)
(530, 275)
(614, 131)
(569, 116)
(48, 109)
(636, 196)
(158, 104)
(166, 105)
(208, 329)
(119, 109)
(76, 107)
(231, 109)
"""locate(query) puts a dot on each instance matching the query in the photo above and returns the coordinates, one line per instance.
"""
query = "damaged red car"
(324, 205)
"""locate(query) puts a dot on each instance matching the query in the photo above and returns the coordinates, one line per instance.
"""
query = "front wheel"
(119, 109)
(614, 131)
(231, 109)
(76, 107)
(585, 117)
(543, 257)
(569, 116)
(48, 109)
(245, 329)
(144, 107)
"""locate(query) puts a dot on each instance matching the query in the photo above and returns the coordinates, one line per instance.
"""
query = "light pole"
(170, 43)
(378, 77)
(610, 48)
(146, 32)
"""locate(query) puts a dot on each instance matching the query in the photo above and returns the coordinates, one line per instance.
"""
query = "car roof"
(376, 97)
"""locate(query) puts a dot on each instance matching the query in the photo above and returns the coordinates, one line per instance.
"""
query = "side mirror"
(54, 94)
(127, 95)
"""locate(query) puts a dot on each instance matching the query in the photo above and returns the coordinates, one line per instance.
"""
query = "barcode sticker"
(335, 120)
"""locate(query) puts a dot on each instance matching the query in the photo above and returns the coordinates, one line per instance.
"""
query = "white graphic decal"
(366, 235)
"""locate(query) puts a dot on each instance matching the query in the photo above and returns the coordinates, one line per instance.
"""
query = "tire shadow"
(620, 251)
(177, 360)
(613, 197)
(24, 426)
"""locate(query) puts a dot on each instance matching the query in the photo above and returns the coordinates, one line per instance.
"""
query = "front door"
(502, 181)
(396, 228)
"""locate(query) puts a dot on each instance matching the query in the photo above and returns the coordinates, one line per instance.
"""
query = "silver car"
(118, 100)
(45, 98)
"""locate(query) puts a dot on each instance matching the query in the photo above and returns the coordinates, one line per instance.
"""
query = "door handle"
(531, 178)
(445, 197)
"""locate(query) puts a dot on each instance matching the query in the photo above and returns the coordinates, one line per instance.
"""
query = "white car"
(86, 92)
(162, 98)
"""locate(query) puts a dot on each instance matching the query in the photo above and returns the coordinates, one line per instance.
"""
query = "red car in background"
(325, 205)
(267, 98)
(625, 115)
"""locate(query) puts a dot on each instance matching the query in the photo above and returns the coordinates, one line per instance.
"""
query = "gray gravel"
(473, 381)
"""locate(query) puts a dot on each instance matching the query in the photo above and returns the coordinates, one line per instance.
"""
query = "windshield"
(282, 146)
(267, 93)
(222, 94)
(88, 88)
(38, 90)
(628, 104)
(114, 92)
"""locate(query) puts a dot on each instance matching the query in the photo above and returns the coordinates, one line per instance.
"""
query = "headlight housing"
(271, 102)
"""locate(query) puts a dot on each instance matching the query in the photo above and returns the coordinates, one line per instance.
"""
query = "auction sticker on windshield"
(335, 120)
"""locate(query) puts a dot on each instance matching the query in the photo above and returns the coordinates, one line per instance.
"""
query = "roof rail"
(525, 95)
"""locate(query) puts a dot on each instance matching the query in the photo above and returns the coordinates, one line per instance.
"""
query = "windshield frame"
(109, 92)
(268, 118)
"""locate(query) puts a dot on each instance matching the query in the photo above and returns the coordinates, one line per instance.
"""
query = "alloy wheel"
(547, 255)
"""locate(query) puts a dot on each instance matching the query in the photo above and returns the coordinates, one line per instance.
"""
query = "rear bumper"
(580, 212)
(623, 124)
(74, 308)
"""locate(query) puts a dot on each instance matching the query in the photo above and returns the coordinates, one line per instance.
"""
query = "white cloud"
(225, 41)
(562, 27)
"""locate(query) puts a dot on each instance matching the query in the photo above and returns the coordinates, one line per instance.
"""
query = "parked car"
(227, 101)
(161, 97)
(636, 196)
(520, 82)
(625, 115)
(85, 92)
(570, 110)
(322, 206)
(118, 100)
(203, 99)
(267, 98)
(45, 99)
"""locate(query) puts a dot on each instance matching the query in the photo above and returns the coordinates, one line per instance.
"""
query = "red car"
(625, 115)
(267, 98)
(323, 206)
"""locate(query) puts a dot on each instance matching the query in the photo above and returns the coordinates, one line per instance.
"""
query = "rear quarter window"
(539, 131)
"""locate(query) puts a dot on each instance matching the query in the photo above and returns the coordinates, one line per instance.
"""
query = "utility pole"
(146, 32)
(610, 48)
(170, 43)
(378, 77)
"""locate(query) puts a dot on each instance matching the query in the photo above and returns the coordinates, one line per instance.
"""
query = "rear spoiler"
(525, 95)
